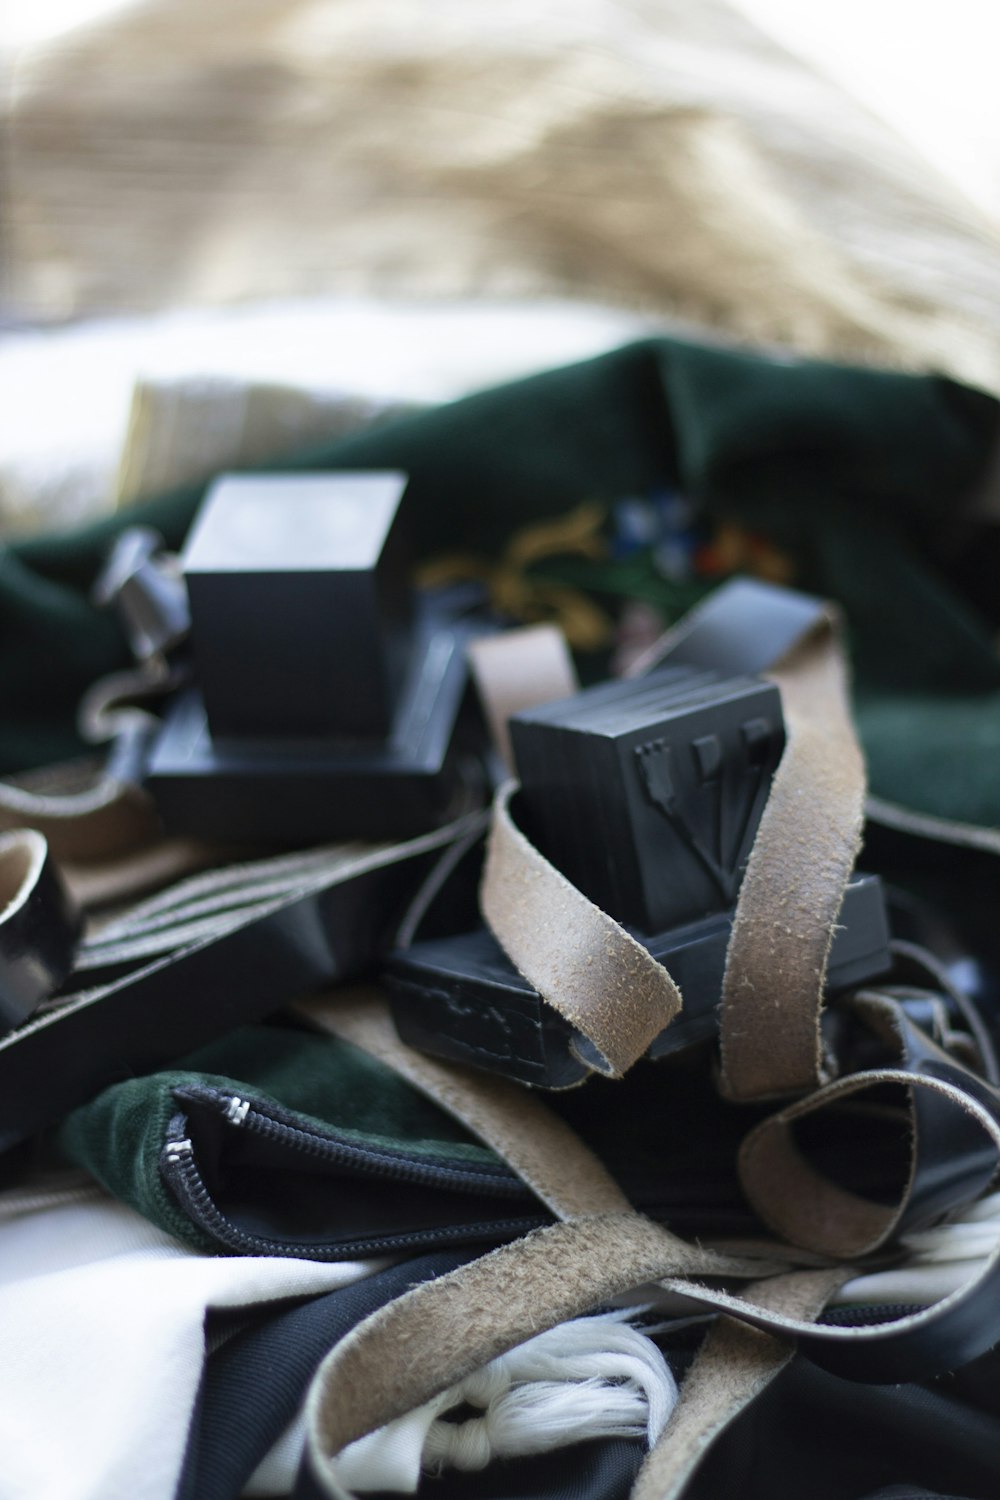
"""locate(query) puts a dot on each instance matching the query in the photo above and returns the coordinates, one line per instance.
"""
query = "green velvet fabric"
(859, 476)
(120, 1135)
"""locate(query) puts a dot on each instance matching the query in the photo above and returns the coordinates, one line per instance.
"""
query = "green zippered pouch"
(279, 1142)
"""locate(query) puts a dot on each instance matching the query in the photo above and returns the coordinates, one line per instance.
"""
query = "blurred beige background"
(824, 181)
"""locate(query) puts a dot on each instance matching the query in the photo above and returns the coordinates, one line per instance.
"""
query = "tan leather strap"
(519, 669)
(605, 984)
(84, 814)
(808, 838)
(579, 959)
(540, 1147)
(802, 858)
(732, 1367)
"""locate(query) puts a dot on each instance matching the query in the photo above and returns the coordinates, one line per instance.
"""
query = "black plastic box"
(300, 604)
(646, 794)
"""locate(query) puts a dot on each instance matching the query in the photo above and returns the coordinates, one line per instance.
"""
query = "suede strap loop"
(606, 985)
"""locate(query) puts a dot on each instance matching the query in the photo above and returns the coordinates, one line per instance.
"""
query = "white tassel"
(535, 1418)
(592, 1378)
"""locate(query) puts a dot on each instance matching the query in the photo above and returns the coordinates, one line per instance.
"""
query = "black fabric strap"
(253, 1385)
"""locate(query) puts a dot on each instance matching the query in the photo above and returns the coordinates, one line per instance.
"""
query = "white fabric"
(65, 394)
(102, 1345)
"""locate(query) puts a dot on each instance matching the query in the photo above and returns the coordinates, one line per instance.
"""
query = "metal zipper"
(275, 1123)
(180, 1169)
(863, 1315)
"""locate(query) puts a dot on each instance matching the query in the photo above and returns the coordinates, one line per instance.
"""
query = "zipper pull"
(175, 1151)
(237, 1110)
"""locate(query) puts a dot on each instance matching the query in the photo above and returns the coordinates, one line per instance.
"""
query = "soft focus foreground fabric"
(663, 155)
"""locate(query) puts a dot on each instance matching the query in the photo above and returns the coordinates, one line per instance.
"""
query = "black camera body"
(327, 692)
(646, 794)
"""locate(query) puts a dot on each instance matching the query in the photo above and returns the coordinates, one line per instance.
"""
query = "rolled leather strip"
(606, 985)
(39, 926)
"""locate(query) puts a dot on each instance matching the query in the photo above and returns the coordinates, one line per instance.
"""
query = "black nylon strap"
(253, 1386)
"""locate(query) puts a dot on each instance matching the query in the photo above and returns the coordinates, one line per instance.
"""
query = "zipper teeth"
(181, 1170)
(871, 1313)
(377, 1161)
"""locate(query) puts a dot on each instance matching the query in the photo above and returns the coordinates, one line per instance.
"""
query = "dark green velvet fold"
(120, 1135)
(860, 477)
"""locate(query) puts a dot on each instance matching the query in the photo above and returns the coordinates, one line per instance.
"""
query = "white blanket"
(102, 1345)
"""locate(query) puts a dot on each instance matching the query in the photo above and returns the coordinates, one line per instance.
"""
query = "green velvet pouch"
(274, 1141)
